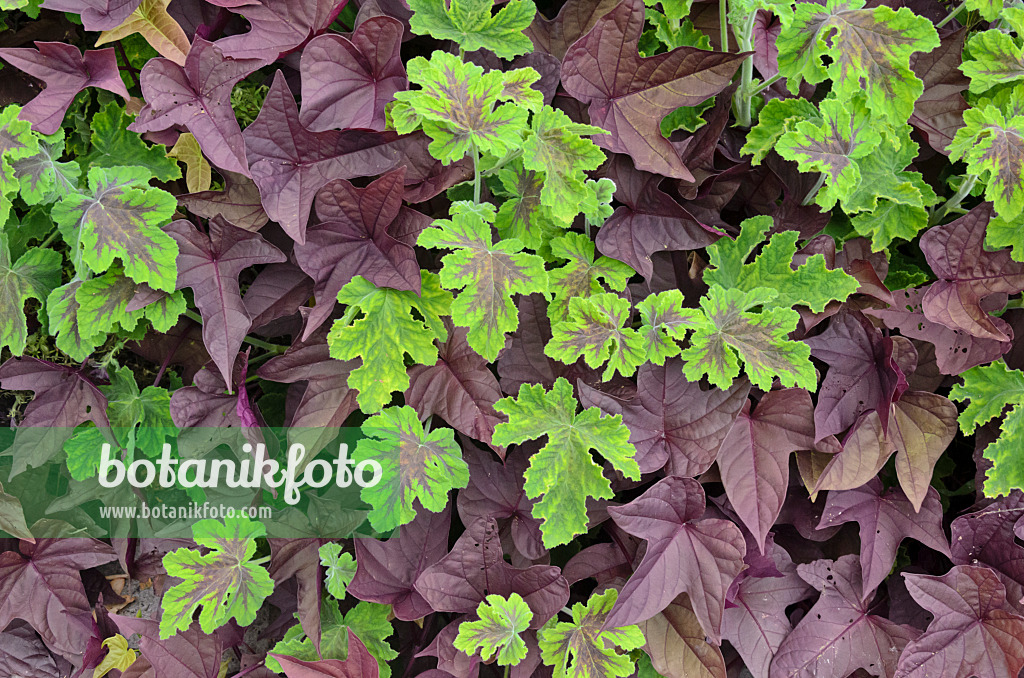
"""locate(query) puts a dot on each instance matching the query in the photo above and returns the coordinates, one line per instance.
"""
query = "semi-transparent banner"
(159, 482)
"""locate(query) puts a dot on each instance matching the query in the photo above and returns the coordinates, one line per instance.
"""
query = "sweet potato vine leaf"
(226, 582)
(33, 276)
(488, 274)
(988, 390)
(457, 107)
(471, 24)
(974, 632)
(868, 50)
(415, 465)
(729, 330)
(121, 217)
(339, 567)
(497, 631)
(198, 173)
(629, 95)
(596, 328)
(992, 145)
(812, 284)
(585, 648)
(118, 656)
(151, 20)
(387, 331)
(564, 471)
(277, 26)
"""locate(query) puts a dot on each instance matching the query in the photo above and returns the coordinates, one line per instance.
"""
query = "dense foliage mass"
(684, 332)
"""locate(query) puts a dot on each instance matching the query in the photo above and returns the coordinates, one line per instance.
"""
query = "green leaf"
(17, 141)
(583, 649)
(497, 631)
(832, 145)
(488, 274)
(988, 9)
(581, 276)
(596, 328)
(996, 59)
(113, 145)
(811, 284)
(121, 217)
(993, 148)
(415, 465)
(387, 331)
(730, 331)
(1001, 233)
(471, 24)
(665, 322)
(62, 313)
(340, 567)
(457, 107)
(522, 216)
(35, 225)
(989, 390)
(140, 419)
(597, 205)
(118, 656)
(518, 88)
(103, 304)
(868, 51)
(42, 177)
(564, 471)
(556, 148)
(32, 276)
(776, 118)
(225, 583)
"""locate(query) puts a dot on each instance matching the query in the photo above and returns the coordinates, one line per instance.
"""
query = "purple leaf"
(363, 231)
(187, 654)
(290, 163)
(684, 553)
(359, 663)
(754, 457)
(277, 26)
(838, 635)
(475, 568)
(575, 19)
(300, 558)
(671, 419)
(886, 519)
(922, 426)
(204, 409)
(96, 15)
(973, 634)
(939, 111)
(23, 654)
(42, 586)
(346, 81)
(387, 570)
(967, 274)
(985, 537)
(197, 96)
(864, 451)
(677, 645)
(275, 294)
(649, 221)
(210, 264)
(66, 72)
(629, 95)
(239, 202)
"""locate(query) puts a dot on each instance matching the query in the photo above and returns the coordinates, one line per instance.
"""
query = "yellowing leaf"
(118, 656)
(197, 170)
(151, 20)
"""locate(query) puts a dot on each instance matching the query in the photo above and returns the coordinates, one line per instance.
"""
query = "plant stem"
(508, 669)
(50, 238)
(765, 85)
(809, 198)
(252, 341)
(723, 21)
(128, 65)
(476, 175)
(965, 189)
(949, 17)
(745, 42)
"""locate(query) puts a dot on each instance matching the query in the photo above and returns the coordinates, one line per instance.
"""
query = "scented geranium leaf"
(845, 133)
(754, 457)
(209, 264)
(472, 25)
(497, 631)
(730, 330)
(991, 144)
(198, 173)
(416, 465)
(62, 314)
(33, 276)
(339, 568)
(996, 59)
(346, 81)
(868, 51)
(812, 284)
(457, 105)
(685, 553)
(671, 420)
(140, 418)
(488, 274)
(564, 471)
(197, 95)
(151, 20)
(776, 118)
(277, 26)
(226, 582)
(113, 145)
(43, 178)
(586, 647)
(596, 329)
(665, 323)
(839, 635)
(362, 231)
(103, 304)
(886, 518)
(387, 331)
(581, 275)
(522, 216)
(629, 95)
(973, 633)
(66, 72)
(967, 274)
(989, 389)
(17, 141)
(556, 148)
